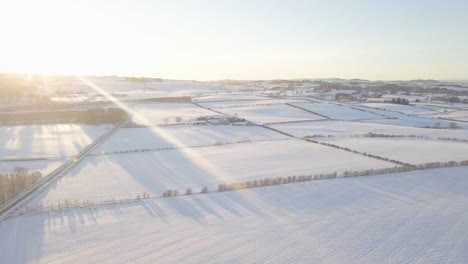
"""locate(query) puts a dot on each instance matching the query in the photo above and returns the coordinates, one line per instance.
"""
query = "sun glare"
(189, 153)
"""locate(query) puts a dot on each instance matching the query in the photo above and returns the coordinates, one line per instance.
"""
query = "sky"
(237, 39)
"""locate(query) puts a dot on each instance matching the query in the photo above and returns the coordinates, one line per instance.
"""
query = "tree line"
(13, 183)
(90, 116)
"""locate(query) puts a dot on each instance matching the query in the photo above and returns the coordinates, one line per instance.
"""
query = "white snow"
(227, 97)
(156, 114)
(43, 141)
(44, 166)
(406, 109)
(413, 151)
(415, 217)
(335, 111)
(350, 129)
(246, 103)
(270, 113)
(183, 136)
(455, 115)
(126, 175)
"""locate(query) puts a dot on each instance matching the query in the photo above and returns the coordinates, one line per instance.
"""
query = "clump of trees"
(189, 191)
(13, 183)
(398, 100)
(145, 195)
(170, 193)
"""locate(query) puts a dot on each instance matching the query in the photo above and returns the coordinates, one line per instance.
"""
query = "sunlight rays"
(189, 153)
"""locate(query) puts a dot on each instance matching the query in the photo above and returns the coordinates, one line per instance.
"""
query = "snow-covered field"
(414, 217)
(130, 139)
(455, 115)
(126, 175)
(406, 109)
(43, 141)
(235, 96)
(44, 166)
(350, 129)
(335, 111)
(124, 89)
(158, 114)
(270, 113)
(413, 151)
(401, 119)
(246, 103)
(417, 122)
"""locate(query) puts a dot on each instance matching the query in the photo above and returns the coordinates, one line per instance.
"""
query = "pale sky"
(237, 39)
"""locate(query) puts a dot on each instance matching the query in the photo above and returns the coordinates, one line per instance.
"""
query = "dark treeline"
(12, 183)
(398, 100)
(90, 116)
(42, 103)
(303, 178)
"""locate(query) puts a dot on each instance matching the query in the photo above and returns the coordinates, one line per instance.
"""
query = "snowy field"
(350, 129)
(126, 175)
(405, 109)
(414, 217)
(226, 97)
(444, 105)
(335, 111)
(270, 113)
(413, 151)
(245, 103)
(427, 120)
(127, 139)
(414, 121)
(44, 141)
(44, 166)
(127, 89)
(455, 115)
(159, 113)
(71, 98)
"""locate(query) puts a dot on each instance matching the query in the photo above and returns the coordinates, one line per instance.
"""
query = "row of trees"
(273, 181)
(12, 183)
(256, 183)
(398, 100)
(90, 116)
(357, 152)
(310, 111)
(189, 191)
(437, 125)
(302, 178)
(371, 112)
